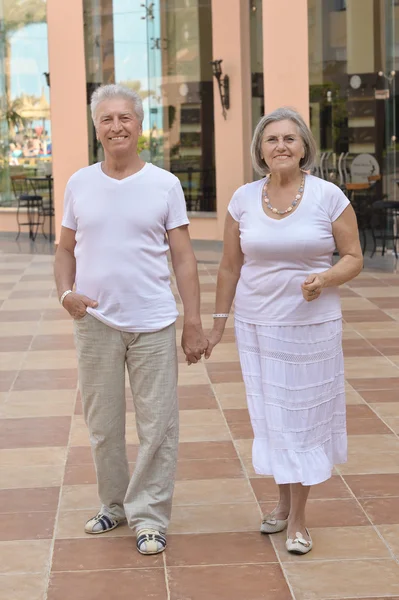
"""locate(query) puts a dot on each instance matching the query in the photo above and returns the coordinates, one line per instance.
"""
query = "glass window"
(353, 90)
(256, 37)
(25, 126)
(161, 49)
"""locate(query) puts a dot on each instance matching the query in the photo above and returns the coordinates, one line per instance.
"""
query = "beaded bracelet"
(221, 315)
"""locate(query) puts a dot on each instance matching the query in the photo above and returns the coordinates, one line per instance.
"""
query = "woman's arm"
(228, 276)
(346, 235)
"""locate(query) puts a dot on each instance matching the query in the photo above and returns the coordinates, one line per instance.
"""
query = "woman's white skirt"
(294, 380)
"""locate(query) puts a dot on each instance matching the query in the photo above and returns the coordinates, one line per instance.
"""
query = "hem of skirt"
(290, 480)
(326, 319)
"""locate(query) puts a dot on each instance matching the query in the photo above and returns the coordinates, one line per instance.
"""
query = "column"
(285, 55)
(68, 95)
(230, 38)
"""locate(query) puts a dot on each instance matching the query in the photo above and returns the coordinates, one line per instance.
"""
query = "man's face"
(117, 126)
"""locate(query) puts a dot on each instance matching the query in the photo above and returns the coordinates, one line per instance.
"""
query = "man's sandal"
(150, 541)
(101, 523)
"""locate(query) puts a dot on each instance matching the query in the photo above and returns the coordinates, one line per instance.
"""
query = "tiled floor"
(47, 481)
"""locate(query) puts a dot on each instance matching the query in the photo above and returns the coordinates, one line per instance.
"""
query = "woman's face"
(282, 146)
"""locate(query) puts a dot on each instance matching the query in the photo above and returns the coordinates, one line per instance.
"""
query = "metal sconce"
(47, 76)
(224, 85)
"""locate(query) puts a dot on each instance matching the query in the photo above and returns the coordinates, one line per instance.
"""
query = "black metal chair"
(385, 225)
(41, 187)
(29, 201)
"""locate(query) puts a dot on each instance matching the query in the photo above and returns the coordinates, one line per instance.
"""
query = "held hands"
(76, 305)
(312, 287)
(193, 342)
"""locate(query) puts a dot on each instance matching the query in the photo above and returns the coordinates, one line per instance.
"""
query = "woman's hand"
(312, 287)
(214, 337)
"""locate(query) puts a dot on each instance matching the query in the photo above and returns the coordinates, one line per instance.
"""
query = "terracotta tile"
(29, 500)
(384, 303)
(382, 511)
(28, 476)
(386, 410)
(365, 316)
(21, 294)
(266, 489)
(338, 543)
(9, 316)
(98, 554)
(17, 457)
(205, 492)
(343, 579)
(56, 314)
(388, 346)
(380, 396)
(53, 342)
(209, 469)
(15, 343)
(45, 379)
(374, 383)
(226, 377)
(207, 450)
(24, 586)
(216, 548)
(362, 421)
(79, 497)
(6, 380)
(33, 526)
(231, 395)
(359, 347)
(366, 282)
(371, 454)
(343, 512)
(103, 585)
(223, 367)
(227, 582)
(215, 518)
(376, 485)
(80, 474)
(27, 556)
(26, 433)
(371, 366)
(38, 404)
(390, 533)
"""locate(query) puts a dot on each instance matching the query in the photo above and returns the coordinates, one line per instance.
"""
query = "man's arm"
(64, 273)
(184, 264)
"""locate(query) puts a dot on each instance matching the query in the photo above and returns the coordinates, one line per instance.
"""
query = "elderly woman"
(279, 239)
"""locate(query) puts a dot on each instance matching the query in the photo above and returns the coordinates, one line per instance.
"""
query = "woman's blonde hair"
(283, 114)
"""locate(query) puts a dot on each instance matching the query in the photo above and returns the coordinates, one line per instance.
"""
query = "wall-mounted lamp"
(224, 85)
(47, 76)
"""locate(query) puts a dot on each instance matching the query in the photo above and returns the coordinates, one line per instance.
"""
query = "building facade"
(335, 61)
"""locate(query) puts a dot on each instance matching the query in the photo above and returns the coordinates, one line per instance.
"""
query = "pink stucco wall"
(67, 95)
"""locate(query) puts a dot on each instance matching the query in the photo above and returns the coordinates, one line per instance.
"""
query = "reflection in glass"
(353, 98)
(24, 95)
(162, 50)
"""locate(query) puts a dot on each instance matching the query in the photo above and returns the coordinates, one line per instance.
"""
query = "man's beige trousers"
(151, 361)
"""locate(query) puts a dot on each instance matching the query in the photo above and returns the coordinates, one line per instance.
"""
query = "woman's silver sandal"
(299, 545)
(272, 525)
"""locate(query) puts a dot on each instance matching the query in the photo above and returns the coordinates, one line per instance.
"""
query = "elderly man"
(120, 218)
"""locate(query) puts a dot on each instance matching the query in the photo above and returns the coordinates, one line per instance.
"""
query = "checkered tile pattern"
(47, 480)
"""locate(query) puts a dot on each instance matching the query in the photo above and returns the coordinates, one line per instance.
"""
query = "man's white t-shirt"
(121, 244)
(280, 254)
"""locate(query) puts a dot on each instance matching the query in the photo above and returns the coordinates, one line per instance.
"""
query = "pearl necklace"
(292, 205)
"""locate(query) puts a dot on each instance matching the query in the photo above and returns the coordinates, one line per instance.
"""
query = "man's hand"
(312, 287)
(193, 342)
(76, 305)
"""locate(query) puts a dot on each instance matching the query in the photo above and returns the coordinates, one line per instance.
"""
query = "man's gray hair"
(283, 114)
(114, 90)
